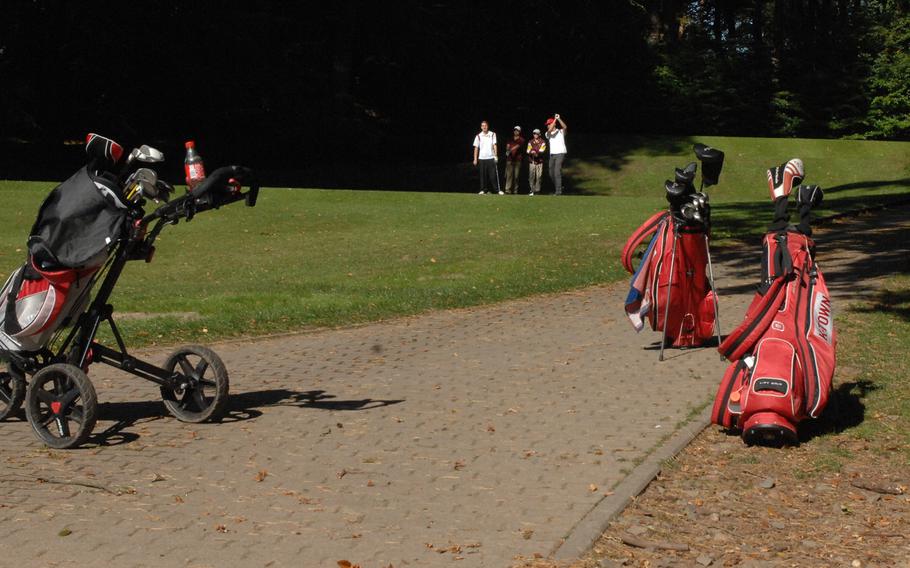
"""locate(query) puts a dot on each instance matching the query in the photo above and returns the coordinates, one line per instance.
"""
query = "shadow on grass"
(845, 410)
(615, 152)
(889, 302)
(743, 219)
(241, 407)
(904, 182)
(874, 245)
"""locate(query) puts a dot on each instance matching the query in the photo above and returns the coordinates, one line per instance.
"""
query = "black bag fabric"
(78, 220)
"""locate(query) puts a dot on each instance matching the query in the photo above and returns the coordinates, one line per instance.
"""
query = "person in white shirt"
(485, 156)
(557, 141)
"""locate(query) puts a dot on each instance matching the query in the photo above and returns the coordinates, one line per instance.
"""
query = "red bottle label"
(195, 171)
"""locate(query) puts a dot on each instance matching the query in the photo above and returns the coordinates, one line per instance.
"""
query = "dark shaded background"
(373, 94)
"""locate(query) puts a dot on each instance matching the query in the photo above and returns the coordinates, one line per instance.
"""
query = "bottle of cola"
(193, 166)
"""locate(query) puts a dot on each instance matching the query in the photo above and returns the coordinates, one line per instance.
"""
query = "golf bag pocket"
(773, 402)
(706, 316)
(728, 401)
(34, 304)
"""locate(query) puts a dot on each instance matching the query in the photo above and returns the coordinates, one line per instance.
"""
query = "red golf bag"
(784, 351)
(671, 287)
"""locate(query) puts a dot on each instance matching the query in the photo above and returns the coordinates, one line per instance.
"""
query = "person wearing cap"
(536, 148)
(557, 138)
(514, 157)
(485, 157)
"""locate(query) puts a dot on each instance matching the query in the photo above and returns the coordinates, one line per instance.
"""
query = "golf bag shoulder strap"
(759, 315)
(638, 237)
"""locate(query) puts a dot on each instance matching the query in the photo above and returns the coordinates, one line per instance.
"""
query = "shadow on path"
(241, 407)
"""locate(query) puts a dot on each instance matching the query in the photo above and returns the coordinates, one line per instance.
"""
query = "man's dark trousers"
(487, 174)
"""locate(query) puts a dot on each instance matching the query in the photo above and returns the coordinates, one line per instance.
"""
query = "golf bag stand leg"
(714, 290)
(663, 339)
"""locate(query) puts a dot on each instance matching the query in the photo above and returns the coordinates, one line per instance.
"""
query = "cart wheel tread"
(12, 392)
(61, 405)
(205, 394)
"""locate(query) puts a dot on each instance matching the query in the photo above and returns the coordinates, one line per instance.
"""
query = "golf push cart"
(87, 229)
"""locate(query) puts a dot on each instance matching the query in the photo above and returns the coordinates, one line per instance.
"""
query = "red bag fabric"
(44, 302)
(692, 314)
(784, 352)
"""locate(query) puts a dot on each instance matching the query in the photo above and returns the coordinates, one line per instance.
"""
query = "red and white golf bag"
(784, 352)
(35, 303)
(671, 288)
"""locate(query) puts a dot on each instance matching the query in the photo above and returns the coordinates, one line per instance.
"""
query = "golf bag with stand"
(673, 286)
(784, 352)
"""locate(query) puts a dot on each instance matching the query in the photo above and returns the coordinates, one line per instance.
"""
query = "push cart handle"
(218, 181)
(222, 187)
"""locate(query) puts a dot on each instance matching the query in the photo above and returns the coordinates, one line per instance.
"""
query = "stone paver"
(462, 437)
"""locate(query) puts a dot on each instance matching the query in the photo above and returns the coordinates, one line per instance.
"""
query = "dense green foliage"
(815, 68)
(289, 87)
(889, 86)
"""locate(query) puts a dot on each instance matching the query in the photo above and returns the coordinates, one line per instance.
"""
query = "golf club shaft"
(714, 290)
(663, 339)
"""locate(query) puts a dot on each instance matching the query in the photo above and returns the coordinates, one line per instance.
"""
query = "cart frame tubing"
(713, 289)
(80, 348)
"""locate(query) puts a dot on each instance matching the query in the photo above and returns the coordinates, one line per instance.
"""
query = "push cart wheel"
(202, 393)
(12, 391)
(61, 406)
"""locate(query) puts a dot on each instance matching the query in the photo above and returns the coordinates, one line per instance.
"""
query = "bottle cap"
(190, 144)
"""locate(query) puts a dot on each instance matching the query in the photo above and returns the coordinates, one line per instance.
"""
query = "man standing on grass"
(485, 156)
(536, 147)
(557, 139)
(514, 157)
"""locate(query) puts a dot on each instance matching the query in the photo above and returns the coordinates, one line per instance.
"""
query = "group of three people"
(486, 152)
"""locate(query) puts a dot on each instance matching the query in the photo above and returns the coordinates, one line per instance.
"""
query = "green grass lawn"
(854, 174)
(307, 257)
(874, 340)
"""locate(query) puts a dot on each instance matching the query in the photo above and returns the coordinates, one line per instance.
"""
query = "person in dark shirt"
(514, 158)
(537, 146)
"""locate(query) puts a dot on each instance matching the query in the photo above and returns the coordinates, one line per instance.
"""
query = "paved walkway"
(462, 437)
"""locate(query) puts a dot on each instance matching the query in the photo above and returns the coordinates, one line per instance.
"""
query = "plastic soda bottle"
(193, 166)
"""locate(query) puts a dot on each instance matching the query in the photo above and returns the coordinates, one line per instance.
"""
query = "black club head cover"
(781, 215)
(712, 161)
(678, 193)
(687, 174)
(807, 197)
(104, 152)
